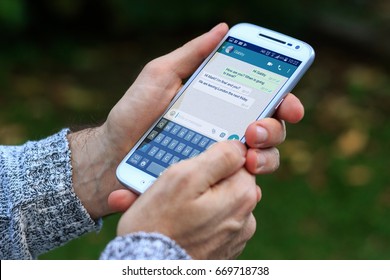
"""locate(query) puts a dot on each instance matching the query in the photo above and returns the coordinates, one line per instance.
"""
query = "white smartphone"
(244, 79)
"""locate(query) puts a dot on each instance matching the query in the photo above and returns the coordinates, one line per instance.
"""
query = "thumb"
(196, 176)
(184, 60)
(218, 162)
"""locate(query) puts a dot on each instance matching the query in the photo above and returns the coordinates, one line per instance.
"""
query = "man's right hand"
(205, 204)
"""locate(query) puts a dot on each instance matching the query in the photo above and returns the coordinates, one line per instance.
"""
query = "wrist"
(93, 170)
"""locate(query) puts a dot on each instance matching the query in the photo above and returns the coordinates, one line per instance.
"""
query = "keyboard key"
(143, 163)
(166, 158)
(173, 144)
(182, 132)
(175, 129)
(180, 148)
(203, 142)
(162, 123)
(145, 147)
(152, 134)
(153, 151)
(189, 136)
(159, 138)
(194, 153)
(196, 139)
(134, 159)
(169, 126)
(160, 154)
(186, 152)
(174, 160)
(210, 143)
(155, 168)
(166, 141)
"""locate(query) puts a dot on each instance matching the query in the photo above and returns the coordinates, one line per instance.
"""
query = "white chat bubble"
(215, 86)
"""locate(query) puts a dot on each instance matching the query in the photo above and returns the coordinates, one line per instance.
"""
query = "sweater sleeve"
(39, 210)
(143, 246)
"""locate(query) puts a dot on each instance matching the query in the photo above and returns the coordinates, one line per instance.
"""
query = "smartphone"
(244, 79)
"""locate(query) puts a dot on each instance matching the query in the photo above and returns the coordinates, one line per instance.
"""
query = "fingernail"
(215, 27)
(261, 134)
(261, 160)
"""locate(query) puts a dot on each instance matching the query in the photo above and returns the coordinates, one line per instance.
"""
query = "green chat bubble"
(264, 81)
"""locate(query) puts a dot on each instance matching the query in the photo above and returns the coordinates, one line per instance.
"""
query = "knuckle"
(155, 67)
(270, 161)
(246, 192)
(244, 228)
(250, 227)
(236, 225)
(251, 200)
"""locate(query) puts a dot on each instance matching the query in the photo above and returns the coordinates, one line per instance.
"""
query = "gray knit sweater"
(39, 210)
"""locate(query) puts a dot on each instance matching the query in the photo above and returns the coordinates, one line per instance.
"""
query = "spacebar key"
(156, 169)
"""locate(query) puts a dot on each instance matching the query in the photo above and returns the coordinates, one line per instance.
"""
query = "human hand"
(97, 152)
(166, 212)
(205, 204)
(153, 90)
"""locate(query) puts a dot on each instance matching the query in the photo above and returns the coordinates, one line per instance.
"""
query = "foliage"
(66, 63)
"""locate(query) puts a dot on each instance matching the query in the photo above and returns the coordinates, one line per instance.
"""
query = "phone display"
(244, 79)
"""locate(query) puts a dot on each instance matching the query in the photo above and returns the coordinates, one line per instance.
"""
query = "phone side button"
(280, 102)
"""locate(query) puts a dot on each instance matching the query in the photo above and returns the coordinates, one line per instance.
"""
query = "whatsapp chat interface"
(232, 90)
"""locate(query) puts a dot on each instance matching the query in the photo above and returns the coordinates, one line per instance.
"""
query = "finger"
(262, 161)
(121, 200)
(291, 109)
(264, 133)
(218, 162)
(222, 160)
(183, 61)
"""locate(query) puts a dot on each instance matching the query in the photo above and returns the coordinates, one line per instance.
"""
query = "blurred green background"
(66, 63)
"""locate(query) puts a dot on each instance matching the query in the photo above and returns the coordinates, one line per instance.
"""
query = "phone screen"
(233, 89)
